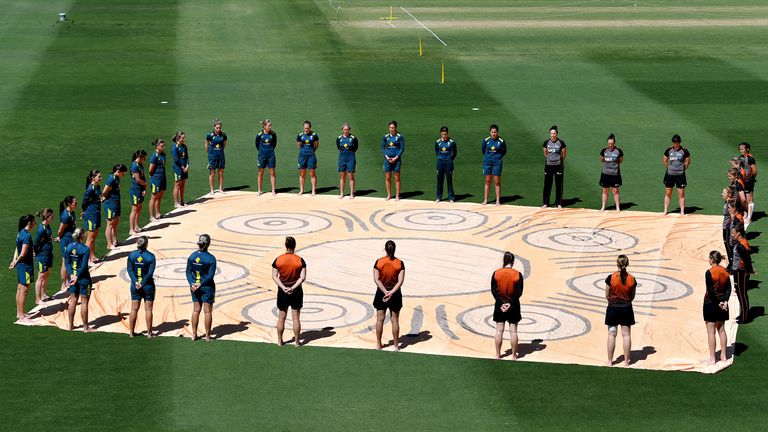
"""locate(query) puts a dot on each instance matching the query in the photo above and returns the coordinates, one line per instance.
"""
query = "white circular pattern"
(435, 220)
(650, 287)
(581, 239)
(171, 272)
(275, 224)
(433, 268)
(538, 322)
(319, 311)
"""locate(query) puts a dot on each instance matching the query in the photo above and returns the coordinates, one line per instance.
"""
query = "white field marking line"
(422, 24)
(390, 23)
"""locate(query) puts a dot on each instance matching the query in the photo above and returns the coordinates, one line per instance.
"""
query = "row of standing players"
(738, 205)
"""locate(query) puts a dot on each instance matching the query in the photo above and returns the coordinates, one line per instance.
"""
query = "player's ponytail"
(177, 136)
(611, 137)
(65, 203)
(78, 234)
(389, 248)
(25, 220)
(715, 257)
(138, 154)
(622, 262)
(119, 168)
(44, 213)
(91, 176)
(509, 259)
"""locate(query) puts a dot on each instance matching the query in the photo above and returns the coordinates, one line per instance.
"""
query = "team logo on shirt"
(217, 146)
(306, 141)
(493, 148)
(139, 259)
(444, 149)
(74, 252)
(391, 144)
(346, 145)
(266, 141)
(197, 260)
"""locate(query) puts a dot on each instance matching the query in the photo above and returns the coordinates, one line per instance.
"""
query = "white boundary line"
(422, 24)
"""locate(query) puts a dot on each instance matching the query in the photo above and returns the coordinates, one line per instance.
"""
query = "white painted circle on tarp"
(434, 220)
(171, 272)
(319, 311)
(275, 224)
(581, 240)
(538, 322)
(650, 287)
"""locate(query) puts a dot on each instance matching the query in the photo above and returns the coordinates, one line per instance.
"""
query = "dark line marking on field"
(371, 328)
(417, 320)
(357, 219)
(347, 221)
(524, 221)
(442, 321)
(485, 230)
(372, 219)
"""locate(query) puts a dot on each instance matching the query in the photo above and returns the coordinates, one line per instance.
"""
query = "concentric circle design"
(650, 287)
(433, 268)
(320, 310)
(538, 322)
(275, 224)
(171, 272)
(435, 220)
(581, 239)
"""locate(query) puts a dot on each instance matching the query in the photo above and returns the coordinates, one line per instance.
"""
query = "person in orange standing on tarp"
(289, 271)
(388, 275)
(506, 287)
(620, 291)
(718, 283)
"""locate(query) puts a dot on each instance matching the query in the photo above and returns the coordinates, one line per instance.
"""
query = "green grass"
(86, 94)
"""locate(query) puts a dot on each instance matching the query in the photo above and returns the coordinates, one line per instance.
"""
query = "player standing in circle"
(91, 207)
(554, 154)
(23, 262)
(111, 198)
(718, 283)
(289, 271)
(64, 235)
(180, 156)
(446, 151)
(307, 142)
(749, 168)
(266, 141)
(506, 287)
(494, 148)
(43, 253)
(388, 275)
(392, 147)
(76, 257)
(157, 180)
(201, 269)
(141, 269)
(215, 143)
(741, 268)
(620, 291)
(347, 145)
(676, 160)
(138, 190)
(610, 176)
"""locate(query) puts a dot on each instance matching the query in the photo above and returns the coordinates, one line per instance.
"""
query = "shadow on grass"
(739, 348)
(326, 189)
(411, 194)
(286, 189)
(236, 188)
(755, 312)
(567, 202)
(625, 205)
(510, 198)
(365, 192)
(178, 213)
(753, 235)
(462, 197)
(758, 215)
(159, 226)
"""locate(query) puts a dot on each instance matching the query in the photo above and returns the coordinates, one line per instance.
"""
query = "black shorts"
(672, 180)
(395, 303)
(295, 300)
(554, 169)
(610, 180)
(512, 315)
(749, 185)
(616, 315)
(713, 313)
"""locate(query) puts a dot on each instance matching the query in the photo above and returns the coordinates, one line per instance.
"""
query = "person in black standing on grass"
(554, 154)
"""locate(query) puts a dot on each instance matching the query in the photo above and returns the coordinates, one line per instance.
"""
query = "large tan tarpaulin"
(450, 252)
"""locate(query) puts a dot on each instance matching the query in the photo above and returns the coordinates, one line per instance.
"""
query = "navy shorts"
(307, 161)
(216, 163)
(179, 175)
(146, 293)
(672, 180)
(81, 288)
(111, 211)
(204, 294)
(267, 161)
(137, 197)
(492, 169)
(64, 242)
(25, 274)
(157, 185)
(92, 222)
(347, 164)
(392, 167)
(44, 262)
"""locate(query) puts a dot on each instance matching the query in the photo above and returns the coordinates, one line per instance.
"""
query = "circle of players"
(289, 270)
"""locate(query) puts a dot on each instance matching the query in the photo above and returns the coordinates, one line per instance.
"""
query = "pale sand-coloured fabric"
(450, 252)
